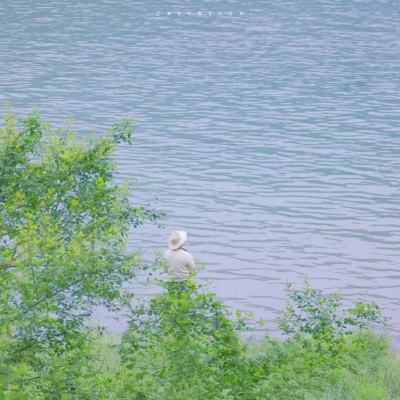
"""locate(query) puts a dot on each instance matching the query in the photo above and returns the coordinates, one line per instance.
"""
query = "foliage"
(325, 343)
(63, 229)
(376, 376)
(308, 369)
(183, 345)
(317, 314)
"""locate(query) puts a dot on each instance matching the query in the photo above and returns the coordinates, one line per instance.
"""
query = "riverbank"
(368, 368)
(171, 353)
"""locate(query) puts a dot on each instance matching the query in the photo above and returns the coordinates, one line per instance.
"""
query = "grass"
(376, 379)
(105, 350)
(366, 368)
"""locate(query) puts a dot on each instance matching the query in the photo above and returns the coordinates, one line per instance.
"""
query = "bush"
(326, 343)
(312, 312)
(183, 345)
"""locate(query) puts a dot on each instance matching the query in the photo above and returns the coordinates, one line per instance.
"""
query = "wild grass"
(366, 369)
(288, 369)
(375, 379)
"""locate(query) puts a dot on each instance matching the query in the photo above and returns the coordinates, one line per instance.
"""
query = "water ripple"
(273, 134)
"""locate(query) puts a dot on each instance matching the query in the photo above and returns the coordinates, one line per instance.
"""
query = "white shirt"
(180, 264)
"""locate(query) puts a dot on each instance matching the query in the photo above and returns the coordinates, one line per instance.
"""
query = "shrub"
(315, 313)
(183, 345)
(325, 344)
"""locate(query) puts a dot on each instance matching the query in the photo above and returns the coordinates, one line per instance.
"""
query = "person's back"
(180, 263)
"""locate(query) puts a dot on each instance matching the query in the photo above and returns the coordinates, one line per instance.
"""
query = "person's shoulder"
(186, 253)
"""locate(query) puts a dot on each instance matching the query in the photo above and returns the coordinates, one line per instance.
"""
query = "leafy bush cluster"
(322, 315)
(63, 229)
(185, 345)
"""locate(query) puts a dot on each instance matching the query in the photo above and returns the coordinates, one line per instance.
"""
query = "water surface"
(272, 136)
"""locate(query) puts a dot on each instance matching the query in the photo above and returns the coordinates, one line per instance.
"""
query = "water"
(273, 134)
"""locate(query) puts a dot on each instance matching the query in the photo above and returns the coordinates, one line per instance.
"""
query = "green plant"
(63, 229)
(313, 312)
(183, 345)
(325, 344)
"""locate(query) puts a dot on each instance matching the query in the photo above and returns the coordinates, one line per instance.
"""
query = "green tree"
(63, 230)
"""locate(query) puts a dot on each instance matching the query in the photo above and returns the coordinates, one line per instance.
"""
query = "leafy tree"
(63, 230)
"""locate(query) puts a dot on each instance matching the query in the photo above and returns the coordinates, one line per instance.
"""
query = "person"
(180, 263)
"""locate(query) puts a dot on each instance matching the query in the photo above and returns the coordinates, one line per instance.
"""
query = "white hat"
(177, 239)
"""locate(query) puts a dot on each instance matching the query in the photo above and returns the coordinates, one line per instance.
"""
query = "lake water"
(271, 134)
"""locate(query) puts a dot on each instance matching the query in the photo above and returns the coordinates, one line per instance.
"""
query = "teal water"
(273, 134)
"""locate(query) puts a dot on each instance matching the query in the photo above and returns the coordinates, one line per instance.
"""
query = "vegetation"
(63, 228)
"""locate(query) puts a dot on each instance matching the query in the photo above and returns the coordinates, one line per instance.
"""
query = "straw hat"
(177, 239)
